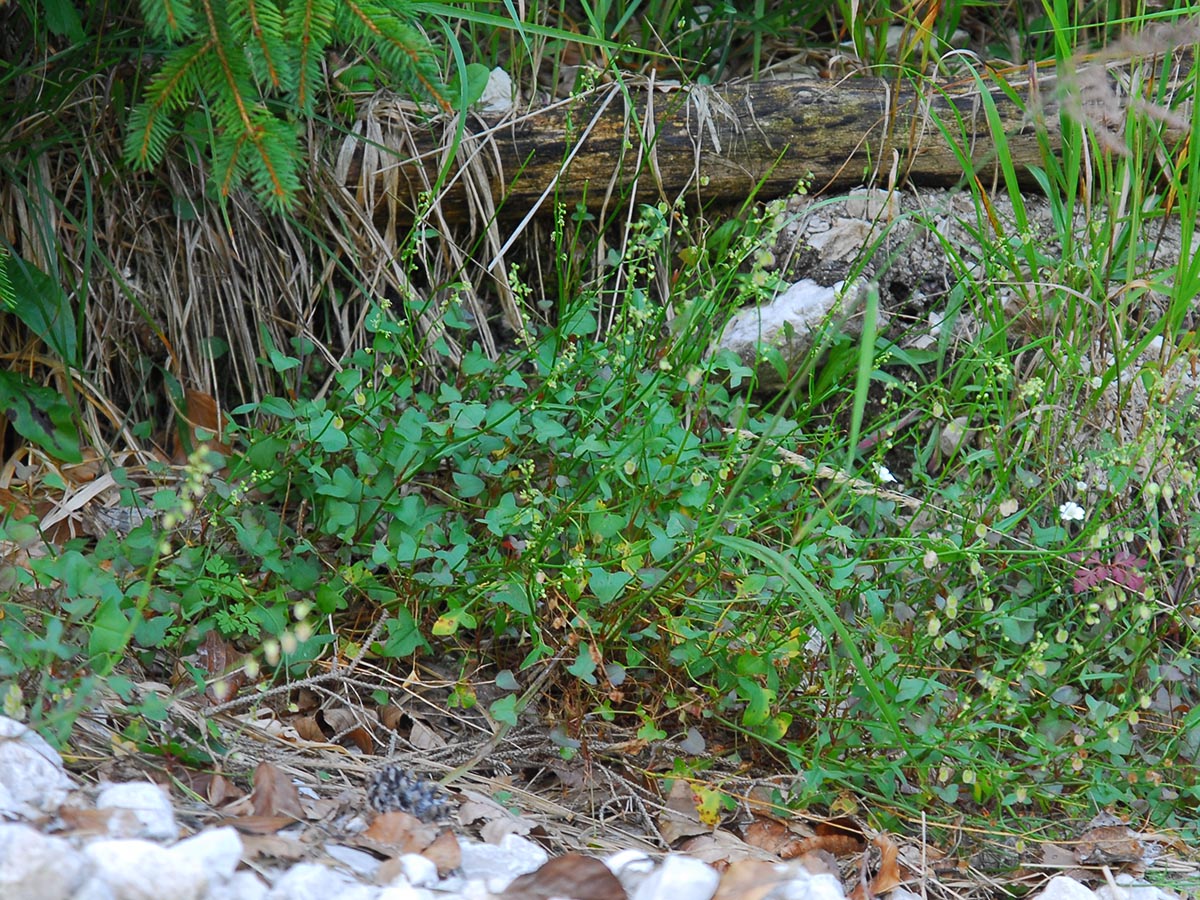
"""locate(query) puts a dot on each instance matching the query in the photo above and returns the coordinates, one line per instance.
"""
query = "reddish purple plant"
(1124, 570)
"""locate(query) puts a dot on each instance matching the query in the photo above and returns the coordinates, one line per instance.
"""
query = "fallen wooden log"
(703, 144)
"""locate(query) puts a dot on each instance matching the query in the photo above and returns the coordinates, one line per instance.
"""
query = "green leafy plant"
(256, 68)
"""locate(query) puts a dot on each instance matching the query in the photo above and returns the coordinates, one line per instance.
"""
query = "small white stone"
(790, 324)
(310, 881)
(679, 878)
(217, 851)
(242, 886)
(1129, 888)
(419, 870)
(150, 806)
(631, 867)
(96, 888)
(361, 863)
(624, 859)
(497, 866)
(474, 889)
(803, 885)
(140, 870)
(404, 892)
(497, 97)
(36, 867)
(32, 780)
(1060, 887)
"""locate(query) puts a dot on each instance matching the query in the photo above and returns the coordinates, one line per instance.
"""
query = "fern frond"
(310, 28)
(233, 84)
(258, 26)
(171, 88)
(229, 166)
(273, 163)
(403, 48)
(171, 19)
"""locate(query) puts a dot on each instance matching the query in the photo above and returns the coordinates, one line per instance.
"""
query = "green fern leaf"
(258, 25)
(171, 88)
(170, 19)
(232, 85)
(401, 47)
(229, 165)
(310, 28)
(273, 163)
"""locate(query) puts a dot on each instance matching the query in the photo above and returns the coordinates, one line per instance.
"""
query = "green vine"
(255, 66)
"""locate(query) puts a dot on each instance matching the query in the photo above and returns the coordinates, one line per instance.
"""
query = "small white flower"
(885, 475)
(1071, 512)
(1081, 486)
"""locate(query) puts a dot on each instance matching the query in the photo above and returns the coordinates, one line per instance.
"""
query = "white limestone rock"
(363, 864)
(152, 816)
(140, 870)
(1060, 887)
(496, 865)
(242, 886)
(1130, 888)
(679, 878)
(32, 780)
(34, 866)
(310, 881)
(217, 851)
(418, 870)
(497, 97)
(804, 886)
(791, 323)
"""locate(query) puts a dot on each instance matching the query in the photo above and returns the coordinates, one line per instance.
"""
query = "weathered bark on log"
(711, 146)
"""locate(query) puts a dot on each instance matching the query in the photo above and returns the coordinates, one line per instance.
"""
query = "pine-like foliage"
(255, 66)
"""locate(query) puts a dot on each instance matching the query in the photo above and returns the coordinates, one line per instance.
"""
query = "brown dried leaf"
(221, 790)
(274, 793)
(342, 721)
(497, 821)
(570, 875)
(1058, 856)
(445, 853)
(199, 410)
(259, 824)
(478, 807)
(215, 657)
(890, 875)
(721, 848)
(425, 738)
(749, 879)
(497, 830)
(93, 821)
(392, 717)
(767, 834)
(274, 847)
(819, 862)
(212, 786)
(397, 833)
(680, 817)
(1109, 845)
(309, 729)
(841, 826)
